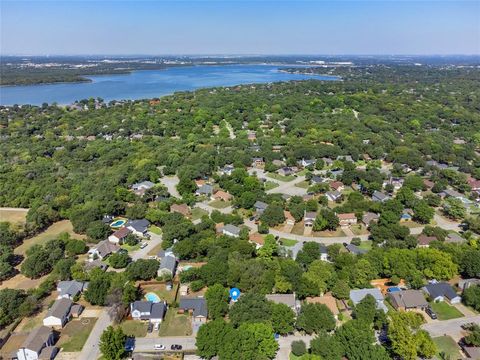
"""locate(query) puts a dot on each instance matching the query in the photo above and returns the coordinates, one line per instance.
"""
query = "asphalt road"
(91, 349)
(449, 327)
(148, 344)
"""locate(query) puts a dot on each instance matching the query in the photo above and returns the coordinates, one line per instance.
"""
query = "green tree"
(454, 208)
(217, 301)
(422, 212)
(299, 347)
(282, 318)
(250, 307)
(211, 336)
(328, 347)
(119, 260)
(273, 215)
(314, 318)
(471, 297)
(112, 343)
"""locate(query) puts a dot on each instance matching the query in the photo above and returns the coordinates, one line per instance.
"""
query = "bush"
(263, 228)
(299, 348)
(356, 241)
(197, 285)
(119, 260)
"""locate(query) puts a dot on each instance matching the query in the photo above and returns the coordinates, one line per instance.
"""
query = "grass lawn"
(134, 328)
(366, 245)
(219, 204)
(75, 334)
(269, 185)
(448, 346)
(51, 233)
(14, 216)
(155, 250)
(288, 242)
(32, 322)
(161, 291)
(280, 177)
(303, 184)
(155, 229)
(130, 248)
(175, 324)
(197, 213)
(445, 311)
(359, 229)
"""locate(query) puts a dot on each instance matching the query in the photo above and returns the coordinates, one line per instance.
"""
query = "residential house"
(285, 171)
(227, 170)
(323, 252)
(436, 164)
(255, 148)
(184, 290)
(345, 158)
(251, 135)
(222, 196)
(168, 266)
(378, 196)
(257, 239)
(276, 148)
(118, 236)
(328, 300)
(76, 310)
(428, 184)
(103, 250)
(260, 206)
(337, 186)
(318, 180)
(347, 219)
(286, 299)
(38, 345)
(354, 249)
(408, 300)
(333, 195)
(336, 173)
(357, 295)
(306, 162)
(138, 227)
(141, 188)
(440, 291)
(231, 230)
(464, 284)
(148, 311)
(448, 193)
(407, 215)
(309, 218)
(369, 218)
(424, 240)
(289, 219)
(205, 189)
(59, 314)
(258, 162)
(472, 352)
(70, 289)
(327, 161)
(183, 209)
(196, 306)
(397, 183)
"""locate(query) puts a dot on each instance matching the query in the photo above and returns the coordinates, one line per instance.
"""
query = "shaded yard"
(75, 334)
(175, 324)
(445, 311)
(219, 204)
(366, 245)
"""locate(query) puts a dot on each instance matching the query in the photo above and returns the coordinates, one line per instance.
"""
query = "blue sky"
(240, 27)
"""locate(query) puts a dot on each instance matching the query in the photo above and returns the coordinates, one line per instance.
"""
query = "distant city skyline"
(239, 27)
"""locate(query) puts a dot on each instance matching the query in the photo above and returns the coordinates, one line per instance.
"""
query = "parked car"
(431, 313)
(143, 245)
(176, 347)
(130, 344)
(468, 326)
(159, 347)
(156, 326)
(150, 328)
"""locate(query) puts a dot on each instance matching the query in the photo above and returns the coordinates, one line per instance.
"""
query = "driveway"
(91, 349)
(209, 209)
(142, 253)
(147, 344)
(285, 343)
(450, 327)
(171, 183)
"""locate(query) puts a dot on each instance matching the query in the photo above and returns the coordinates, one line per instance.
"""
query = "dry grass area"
(13, 215)
(75, 334)
(19, 281)
(12, 345)
(29, 323)
(50, 233)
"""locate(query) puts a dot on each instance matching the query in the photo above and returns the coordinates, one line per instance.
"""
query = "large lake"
(148, 83)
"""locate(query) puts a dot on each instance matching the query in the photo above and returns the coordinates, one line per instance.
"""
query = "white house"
(148, 311)
(38, 344)
(138, 227)
(118, 236)
(442, 291)
(59, 314)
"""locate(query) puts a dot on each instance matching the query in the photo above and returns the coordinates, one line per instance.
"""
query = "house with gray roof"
(103, 249)
(148, 311)
(141, 188)
(205, 189)
(70, 289)
(168, 266)
(138, 227)
(378, 196)
(59, 314)
(286, 299)
(333, 195)
(408, 300)
(260, 206)
(442, 291)
(231, 230)
(354, 249)
(464, 284)
(357, 295)
(38, 345)
(454, 238)
(369, 217)
(196, 306)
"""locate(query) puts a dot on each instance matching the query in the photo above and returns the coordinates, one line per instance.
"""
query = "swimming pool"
(152, 297)
(118, 223)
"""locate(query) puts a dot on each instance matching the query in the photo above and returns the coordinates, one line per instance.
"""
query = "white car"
(159, 347)
(143, 245)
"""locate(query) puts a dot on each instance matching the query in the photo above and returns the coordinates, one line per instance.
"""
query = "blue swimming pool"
(393, 289)
(152, 297)
(118, 223)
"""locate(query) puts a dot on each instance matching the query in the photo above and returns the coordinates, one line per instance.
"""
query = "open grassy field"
(13, 215)
(219, 204)
(155, 229)
(445, 311)
(366, 245)
(75, 334)
(134, 328)
(175, 325)
(448, 346)
(269, 185)
(197, 213)
(288, 242)
(50, 233)
(303, 184)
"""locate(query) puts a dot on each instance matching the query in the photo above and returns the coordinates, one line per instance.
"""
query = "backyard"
(175, 324)
(155, 229)
(75, 334)
(161, 291)
(445, 311)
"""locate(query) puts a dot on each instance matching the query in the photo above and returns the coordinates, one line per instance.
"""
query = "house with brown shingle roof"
(347, 219)
(424, 240)
(327, 300)
(222, 195)
(407, 299)
(118, 236)
(183, 209)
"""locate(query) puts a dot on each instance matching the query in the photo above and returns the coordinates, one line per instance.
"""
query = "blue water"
(152, 297)
(148, 83)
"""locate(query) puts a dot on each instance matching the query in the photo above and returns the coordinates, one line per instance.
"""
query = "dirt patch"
(12, 345)
(13, 215)
(19, 281)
